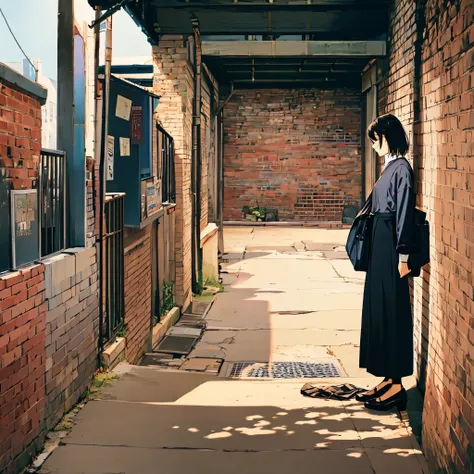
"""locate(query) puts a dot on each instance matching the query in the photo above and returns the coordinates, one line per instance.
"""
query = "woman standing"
(386, 346)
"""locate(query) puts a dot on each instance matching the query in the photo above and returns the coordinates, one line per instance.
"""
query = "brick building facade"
(49, 310)
(427, 81)
(138, 295)
(174, 82)
(294, 150)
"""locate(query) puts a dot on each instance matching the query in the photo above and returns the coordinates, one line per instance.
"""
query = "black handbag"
(421, 244)
(360, 237)
(420, 256)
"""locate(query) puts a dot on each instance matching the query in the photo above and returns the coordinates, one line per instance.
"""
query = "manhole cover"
(177, 344)
(285, 370)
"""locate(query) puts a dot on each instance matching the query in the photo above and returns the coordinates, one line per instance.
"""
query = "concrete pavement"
(290, 296)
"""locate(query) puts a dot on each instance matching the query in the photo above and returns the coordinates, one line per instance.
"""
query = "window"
(52, 194)
(166, 164)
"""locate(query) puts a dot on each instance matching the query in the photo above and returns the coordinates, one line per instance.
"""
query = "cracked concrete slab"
(348, 356)
(306, 345)
(345, 270)
(202, 365)
(340, 319)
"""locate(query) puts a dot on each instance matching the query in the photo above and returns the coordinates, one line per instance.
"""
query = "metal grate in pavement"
(176, 345)
(286, 370)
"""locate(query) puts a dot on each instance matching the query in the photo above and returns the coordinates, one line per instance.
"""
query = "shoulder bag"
(360, 236)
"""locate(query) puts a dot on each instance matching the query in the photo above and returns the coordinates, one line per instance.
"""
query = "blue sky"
(34, 23)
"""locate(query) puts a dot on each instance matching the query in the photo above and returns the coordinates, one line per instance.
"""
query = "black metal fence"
(114, 265)
(167, 167)
(52, 201)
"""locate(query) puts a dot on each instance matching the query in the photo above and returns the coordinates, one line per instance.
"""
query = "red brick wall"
(20, 137)
(48, 312)
(174, 82)
(439, 116)
(295, 150)
(138, 296)
(22, 365)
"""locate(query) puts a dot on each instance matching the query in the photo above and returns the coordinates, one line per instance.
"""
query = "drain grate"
(176, 345)
(285, 370)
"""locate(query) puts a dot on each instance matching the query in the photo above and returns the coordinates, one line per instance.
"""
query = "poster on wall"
(124, 146)
(24, 221)
(123, 108)
(151, 198)
(143, 192)
(110, 157)
(136, 124)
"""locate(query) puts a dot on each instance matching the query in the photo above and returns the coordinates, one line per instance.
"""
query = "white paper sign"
(124, 146)
(110, 158)
(124, 107)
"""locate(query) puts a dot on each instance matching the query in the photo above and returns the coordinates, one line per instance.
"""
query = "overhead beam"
(272, 49)
(245, 6)
(296, 71)
(284, 63)
(286, 79)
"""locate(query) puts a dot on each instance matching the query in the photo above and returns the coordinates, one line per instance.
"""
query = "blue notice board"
(130, 145)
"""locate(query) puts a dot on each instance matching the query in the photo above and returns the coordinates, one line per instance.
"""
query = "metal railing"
(167, 171)
(52, 201)
(114, 265)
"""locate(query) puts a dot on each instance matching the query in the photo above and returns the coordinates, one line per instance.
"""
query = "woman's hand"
(403, 269)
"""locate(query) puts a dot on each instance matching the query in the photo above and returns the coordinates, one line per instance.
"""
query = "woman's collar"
(389, 158)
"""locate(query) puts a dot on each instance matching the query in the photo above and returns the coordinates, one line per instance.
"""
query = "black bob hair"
(391, 128)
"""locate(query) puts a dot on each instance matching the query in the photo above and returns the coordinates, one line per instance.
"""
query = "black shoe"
(363, 397)
(399, 400)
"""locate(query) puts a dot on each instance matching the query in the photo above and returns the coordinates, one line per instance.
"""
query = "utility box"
(129, 160)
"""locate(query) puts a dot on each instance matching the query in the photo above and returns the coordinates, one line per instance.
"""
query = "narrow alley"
(290, 296)
(177, 183)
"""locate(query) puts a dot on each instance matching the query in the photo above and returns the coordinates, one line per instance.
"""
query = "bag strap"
(367, 206)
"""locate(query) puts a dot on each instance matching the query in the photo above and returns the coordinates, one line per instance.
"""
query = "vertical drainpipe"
(98, 99)
(220, 175)
(196, 163)
(220, 170)
(102, 176)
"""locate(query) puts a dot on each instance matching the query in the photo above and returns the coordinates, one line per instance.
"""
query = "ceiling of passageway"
(283, 72)
(324, 19)
(289, 21)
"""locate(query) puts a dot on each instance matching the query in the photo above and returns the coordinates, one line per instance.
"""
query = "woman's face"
(383, 149)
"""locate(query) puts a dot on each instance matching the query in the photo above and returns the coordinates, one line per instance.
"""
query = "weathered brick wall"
(20, 146)
(396, 87)
(210, 103)
(205, 151)
(174, 82)
(138, 296)
(429, 86)
(20, 137)
(294, 150)
(22, 366)
(48, 312)
(72, 327)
